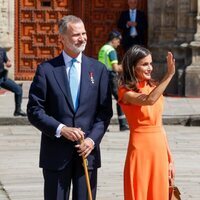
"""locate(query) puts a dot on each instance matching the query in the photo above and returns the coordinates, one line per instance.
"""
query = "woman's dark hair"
(129, 62)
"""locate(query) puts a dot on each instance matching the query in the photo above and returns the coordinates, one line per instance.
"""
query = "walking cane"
(86, 175)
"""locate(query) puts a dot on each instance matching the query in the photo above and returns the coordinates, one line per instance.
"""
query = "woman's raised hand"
(170, 64)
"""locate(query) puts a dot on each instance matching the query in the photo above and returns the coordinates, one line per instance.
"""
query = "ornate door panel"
(100, 18)
(36, 36)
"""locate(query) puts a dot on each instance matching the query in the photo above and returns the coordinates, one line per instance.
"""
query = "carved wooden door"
(36, 36)
(101, 17)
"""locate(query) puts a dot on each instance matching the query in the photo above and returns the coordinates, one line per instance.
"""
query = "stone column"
(192, 77)
(7, 31)
(5, 39)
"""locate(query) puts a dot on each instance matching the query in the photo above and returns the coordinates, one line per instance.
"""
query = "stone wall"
(171, 28)
(192, 77)
(7, 30)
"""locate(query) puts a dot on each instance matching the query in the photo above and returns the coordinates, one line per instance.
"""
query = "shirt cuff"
(91, 140)
(58, 130)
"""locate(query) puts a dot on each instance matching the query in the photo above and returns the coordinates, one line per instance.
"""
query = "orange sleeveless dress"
(146, 165)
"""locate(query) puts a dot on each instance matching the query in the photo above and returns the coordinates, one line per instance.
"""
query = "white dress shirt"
(132, 13)
(67, 60)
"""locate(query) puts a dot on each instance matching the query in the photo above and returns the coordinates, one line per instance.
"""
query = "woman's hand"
(170, 64)
(171, 172)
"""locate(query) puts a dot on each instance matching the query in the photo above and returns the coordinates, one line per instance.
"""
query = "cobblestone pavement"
(21, 179)
(176, 110)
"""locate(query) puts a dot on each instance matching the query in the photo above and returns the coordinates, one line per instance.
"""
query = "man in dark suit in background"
(133, 24)
(70, 99)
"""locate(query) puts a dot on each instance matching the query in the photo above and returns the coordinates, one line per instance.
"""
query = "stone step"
(167, 120)
(177, 111)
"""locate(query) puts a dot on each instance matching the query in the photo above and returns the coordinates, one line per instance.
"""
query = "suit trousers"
(57, 183)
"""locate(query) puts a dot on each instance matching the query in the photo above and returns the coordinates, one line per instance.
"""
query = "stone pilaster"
(192, 78)
(7, 30)
(166, 33)
(5, 26)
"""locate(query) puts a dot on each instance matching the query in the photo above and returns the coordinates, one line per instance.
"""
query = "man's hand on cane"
(85, 147)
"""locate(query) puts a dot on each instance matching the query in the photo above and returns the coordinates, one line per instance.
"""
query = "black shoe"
(20, 113)
(124, 128)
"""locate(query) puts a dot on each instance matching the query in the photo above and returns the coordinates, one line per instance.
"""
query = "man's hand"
(117, 68)
(8, 64)
(71, 133)
(131, 24)
(85, 147)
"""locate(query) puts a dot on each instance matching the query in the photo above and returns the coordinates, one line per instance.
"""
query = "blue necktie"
(133, 31)
(73, 83)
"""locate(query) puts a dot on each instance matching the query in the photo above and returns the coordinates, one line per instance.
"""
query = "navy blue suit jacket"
(50, 104)
(127, 40)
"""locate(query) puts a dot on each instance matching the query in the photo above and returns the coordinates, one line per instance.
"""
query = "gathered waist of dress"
(147, 129)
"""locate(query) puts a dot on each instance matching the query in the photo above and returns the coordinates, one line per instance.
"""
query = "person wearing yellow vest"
(108, 56)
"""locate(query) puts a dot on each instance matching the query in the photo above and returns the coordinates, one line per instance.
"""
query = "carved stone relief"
(170, 4)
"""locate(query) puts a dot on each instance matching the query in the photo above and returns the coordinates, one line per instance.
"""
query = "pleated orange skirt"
(146, 166)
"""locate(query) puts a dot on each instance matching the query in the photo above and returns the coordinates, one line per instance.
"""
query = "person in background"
(133, 24)
(108, 56)
(9, 84)
(149, 165)
(70, 101)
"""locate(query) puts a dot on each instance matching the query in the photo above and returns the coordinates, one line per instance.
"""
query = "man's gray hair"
(63, 23)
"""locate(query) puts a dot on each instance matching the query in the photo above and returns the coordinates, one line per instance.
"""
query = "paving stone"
(21, 178)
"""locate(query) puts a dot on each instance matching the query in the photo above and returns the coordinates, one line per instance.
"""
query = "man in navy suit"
(133, 25)
(64, 120)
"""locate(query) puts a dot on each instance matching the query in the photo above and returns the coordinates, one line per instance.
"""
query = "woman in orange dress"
(149, 164)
